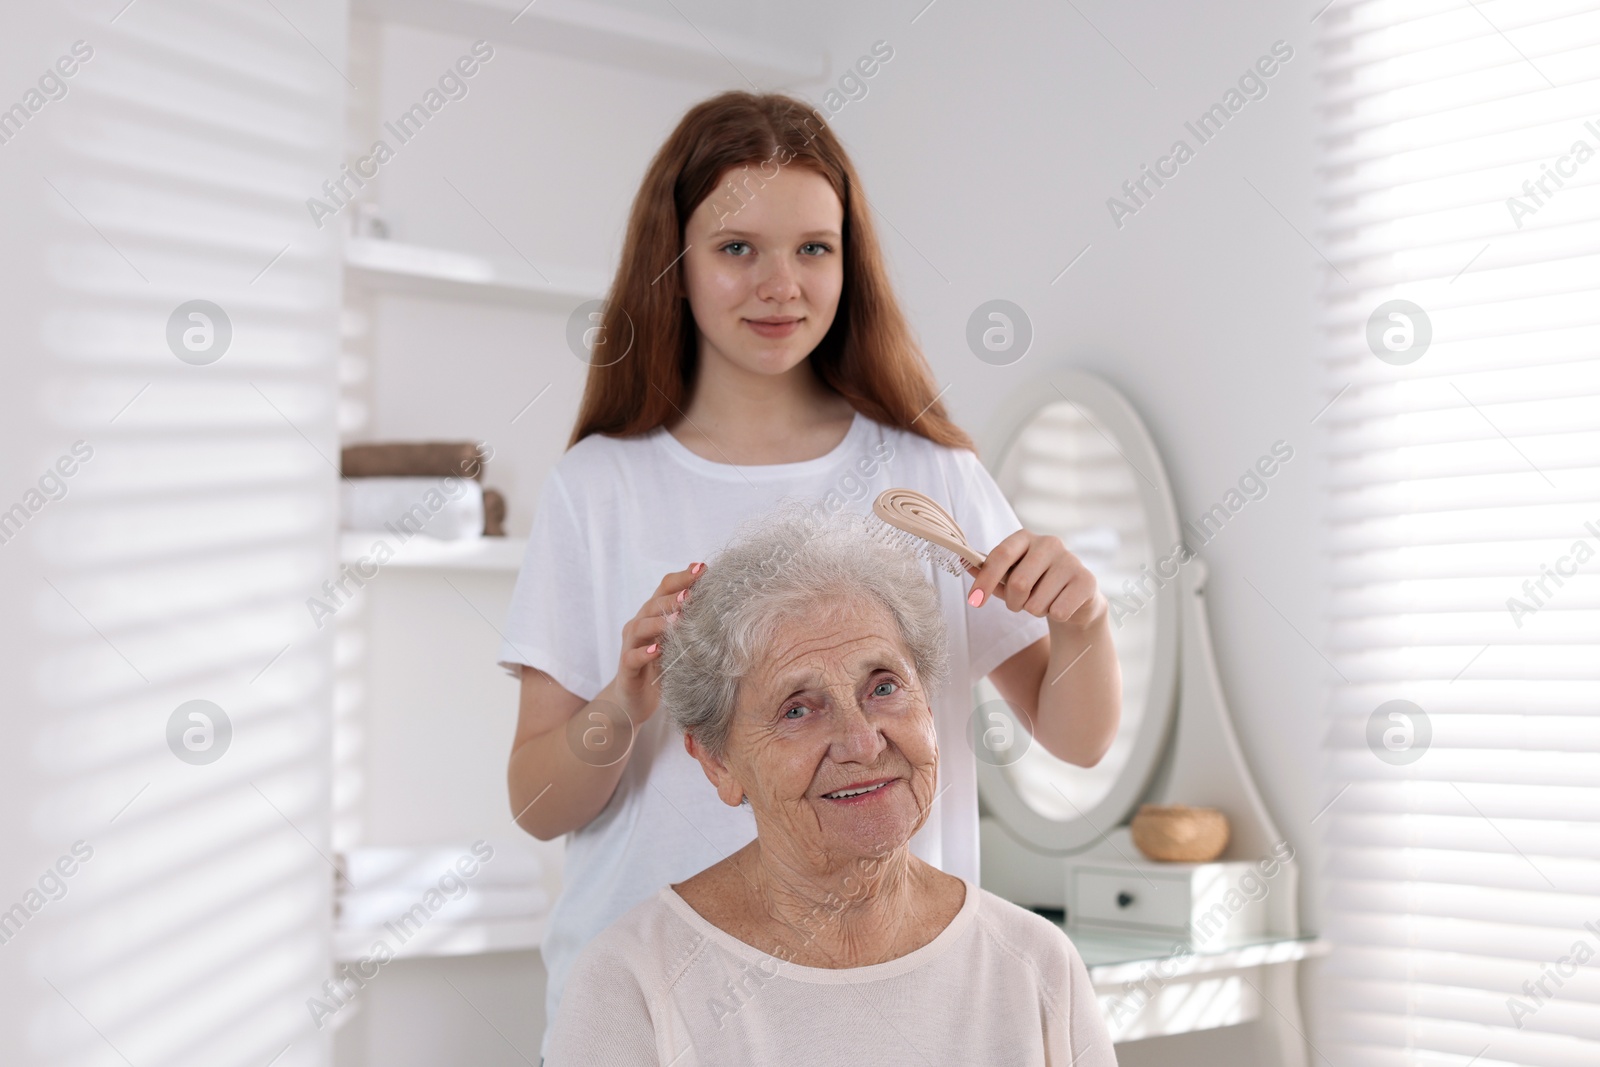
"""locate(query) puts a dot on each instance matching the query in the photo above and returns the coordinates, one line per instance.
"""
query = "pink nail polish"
(697, 568)
(651, 650)
(976, 598)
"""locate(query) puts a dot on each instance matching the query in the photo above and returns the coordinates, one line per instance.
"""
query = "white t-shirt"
(613, 517)
(664, 986)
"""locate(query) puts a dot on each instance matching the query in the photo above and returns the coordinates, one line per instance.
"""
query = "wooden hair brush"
(915, 522)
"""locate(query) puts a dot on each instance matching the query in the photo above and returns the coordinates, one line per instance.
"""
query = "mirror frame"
(1108, 411)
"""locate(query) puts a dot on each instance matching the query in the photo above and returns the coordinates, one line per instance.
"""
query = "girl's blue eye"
(730, 244)
(817, 244)
(880, 685)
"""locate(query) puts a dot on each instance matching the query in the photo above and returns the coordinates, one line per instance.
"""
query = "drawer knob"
(1124, 899)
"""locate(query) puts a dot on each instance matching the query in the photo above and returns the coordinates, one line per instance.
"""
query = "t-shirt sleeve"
(995, 633)
(551, 622)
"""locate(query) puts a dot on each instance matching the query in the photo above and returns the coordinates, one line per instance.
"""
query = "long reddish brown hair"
(868, 355)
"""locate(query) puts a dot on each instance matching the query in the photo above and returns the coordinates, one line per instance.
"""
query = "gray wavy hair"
(776, 567)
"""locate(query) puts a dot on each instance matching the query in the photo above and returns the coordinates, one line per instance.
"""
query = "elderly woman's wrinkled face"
(833, 739)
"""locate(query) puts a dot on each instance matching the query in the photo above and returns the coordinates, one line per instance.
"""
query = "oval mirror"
(1074, 460)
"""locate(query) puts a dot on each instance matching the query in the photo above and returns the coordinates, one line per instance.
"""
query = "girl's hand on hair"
(1035, 573)
(638, 682)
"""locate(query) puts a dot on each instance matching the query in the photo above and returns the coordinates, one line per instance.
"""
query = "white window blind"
(1461, 172)
(167, 303)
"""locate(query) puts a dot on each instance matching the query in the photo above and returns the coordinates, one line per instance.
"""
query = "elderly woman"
(800, 673)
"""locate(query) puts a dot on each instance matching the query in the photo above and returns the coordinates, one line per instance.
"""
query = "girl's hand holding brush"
(1037, 574)
(1031, 572)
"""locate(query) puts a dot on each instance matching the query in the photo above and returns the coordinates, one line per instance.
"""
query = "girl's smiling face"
(836, 708)
(764, 267)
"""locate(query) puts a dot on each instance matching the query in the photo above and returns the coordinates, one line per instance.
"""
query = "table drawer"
(1118, 899)
(1206, 901)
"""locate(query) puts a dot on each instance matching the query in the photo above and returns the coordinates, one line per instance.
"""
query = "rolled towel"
(395, 867)
(365, 909)
(494, 513)
(412, 459)
(448, 508)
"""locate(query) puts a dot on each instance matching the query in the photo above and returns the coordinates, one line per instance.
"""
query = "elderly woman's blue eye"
(880, 685)
(790, 712)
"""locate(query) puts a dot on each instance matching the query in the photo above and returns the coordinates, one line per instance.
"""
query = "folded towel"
(385, 867)
(448, 508)
(406, 459)
(365, 909)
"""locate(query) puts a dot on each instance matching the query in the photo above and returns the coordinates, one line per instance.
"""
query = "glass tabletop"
(1105, 947)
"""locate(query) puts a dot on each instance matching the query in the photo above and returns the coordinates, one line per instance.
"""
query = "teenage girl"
(752, 349)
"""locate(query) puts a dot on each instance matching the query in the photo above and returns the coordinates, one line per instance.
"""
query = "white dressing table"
(1171, 948)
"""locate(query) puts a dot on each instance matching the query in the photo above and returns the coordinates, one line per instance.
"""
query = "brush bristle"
(939, 556)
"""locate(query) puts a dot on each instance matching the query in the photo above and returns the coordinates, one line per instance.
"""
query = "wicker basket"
(1180, 834)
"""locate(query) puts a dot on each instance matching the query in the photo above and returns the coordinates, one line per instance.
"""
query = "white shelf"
(463, 939)
(605, 34)
(396, 267)
(427, 553)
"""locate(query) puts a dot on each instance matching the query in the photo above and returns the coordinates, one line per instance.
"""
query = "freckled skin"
(835, 701)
